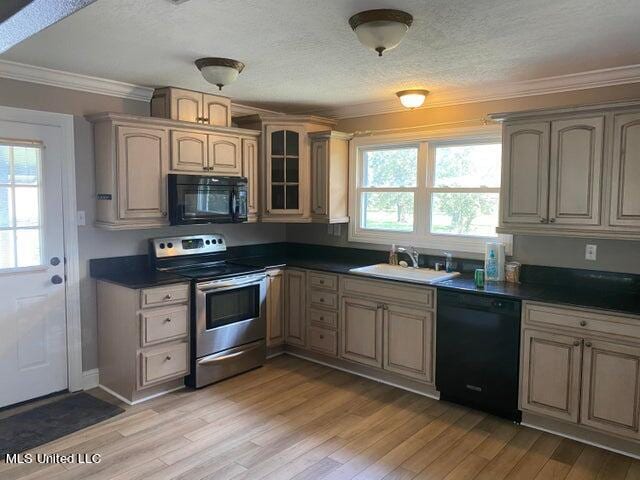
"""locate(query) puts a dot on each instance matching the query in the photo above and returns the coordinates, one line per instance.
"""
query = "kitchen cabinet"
(625, 194)
(329, 176)
(361, 331)
(572, 172)
(250, 172)
(275, 307)
(582, 367)
(611, 387)
(189, 151)
(408, 341)
(225, 156)
(143, 345)
(190, 106)
(322, 312)
(551, 374)
(132, 162)
(295, 307)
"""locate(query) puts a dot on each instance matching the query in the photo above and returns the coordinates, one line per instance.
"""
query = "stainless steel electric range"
(228, 324)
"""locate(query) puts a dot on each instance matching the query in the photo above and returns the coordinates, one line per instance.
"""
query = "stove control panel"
(191, 245)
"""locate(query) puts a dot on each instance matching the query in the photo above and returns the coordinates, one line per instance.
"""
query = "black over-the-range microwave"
(205, 199)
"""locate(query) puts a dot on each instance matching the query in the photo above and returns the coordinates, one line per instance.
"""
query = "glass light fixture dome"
(382, 29)
(219, 71)
(412, 98)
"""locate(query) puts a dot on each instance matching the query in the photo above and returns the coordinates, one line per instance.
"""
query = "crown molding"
(540, 86)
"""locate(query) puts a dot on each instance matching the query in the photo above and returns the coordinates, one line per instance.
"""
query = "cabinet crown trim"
(541, 113)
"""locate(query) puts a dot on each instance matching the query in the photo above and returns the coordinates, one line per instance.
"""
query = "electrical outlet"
(82, 221)
(591, 252)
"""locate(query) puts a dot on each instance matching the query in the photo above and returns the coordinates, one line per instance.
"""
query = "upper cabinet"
(329, 176)
(286, 183)
(572, 172)
(190, 106)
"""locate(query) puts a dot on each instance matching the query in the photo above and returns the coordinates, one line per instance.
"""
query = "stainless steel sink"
(396, 272)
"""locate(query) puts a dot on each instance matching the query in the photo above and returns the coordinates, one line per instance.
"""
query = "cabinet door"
(408, 341)
(361, 331)
(611, 387)
(275, 307)
(189, 151)
(224, 155)
(575, 184)
(525, 173)
(319, 176)
(143, 161)
(250, 171)
(550, 374)
(216, 110)
(186, 105)
(285, 170)
(625, 194)
(295, 311)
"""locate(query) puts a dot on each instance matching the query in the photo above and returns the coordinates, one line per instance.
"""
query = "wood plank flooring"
(297, 420)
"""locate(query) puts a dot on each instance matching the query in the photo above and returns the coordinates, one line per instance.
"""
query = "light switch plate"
(82, 221)
(590, 252)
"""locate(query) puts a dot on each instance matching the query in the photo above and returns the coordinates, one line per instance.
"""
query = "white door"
(33, 343)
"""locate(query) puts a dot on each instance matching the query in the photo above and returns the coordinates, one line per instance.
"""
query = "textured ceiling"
(301, 54)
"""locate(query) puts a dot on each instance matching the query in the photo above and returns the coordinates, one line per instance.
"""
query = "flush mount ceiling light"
(381, 29)
(412, 98)
(219, 71)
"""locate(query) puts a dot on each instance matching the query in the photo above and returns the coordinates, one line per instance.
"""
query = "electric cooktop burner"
(216, 270)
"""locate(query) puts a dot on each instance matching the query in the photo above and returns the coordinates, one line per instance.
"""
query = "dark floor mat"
(40, 425)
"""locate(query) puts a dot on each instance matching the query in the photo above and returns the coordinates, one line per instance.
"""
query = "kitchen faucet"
(413, 255)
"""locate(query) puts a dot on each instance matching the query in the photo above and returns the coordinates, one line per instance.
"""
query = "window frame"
(421, 236)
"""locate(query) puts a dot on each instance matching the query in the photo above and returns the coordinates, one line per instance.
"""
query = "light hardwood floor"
(293, 419)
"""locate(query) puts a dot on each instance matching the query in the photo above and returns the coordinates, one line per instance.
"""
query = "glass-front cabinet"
(286, 170)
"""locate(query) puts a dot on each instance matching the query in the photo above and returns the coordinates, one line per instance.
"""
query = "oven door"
(229, 313)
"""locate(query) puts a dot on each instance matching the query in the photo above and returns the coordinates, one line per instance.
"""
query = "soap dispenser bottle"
(393, 255)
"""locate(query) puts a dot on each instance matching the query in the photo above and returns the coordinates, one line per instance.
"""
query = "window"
(440, 193)
(20, 218)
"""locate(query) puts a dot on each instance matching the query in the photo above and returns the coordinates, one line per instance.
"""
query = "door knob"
(56, 279)
(55, 261)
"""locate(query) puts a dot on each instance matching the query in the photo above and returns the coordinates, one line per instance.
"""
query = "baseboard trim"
(435, 395)
(90, 379)
(140, 400)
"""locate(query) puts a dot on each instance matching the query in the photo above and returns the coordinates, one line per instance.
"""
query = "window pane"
(388, 211)
(292, 197)
(468, 166)
(5, 207)
(390, 167)
(27, 207)
(25, 165)
(277, 197)
(464, 213)
(277, 169)
(28, 243)
(5, 170)
(277, 143)
(292, 170)
(6, 249)
(292, 143)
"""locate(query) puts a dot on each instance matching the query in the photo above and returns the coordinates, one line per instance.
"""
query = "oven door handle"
(215, 358)
(219, 284)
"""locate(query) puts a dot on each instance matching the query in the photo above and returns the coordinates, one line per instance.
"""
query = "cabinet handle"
(167, 358)
(322, 318)
(321, 337)
(167, 320)
(321, 282)
(168, 297)
(552, 220)
(321, 300)
(205, 119)
(587, 344)
(576, 343)
(543, 220)
(583, 323)
(385, 307)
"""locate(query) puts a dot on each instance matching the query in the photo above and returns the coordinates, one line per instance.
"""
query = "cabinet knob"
(587, 344)
(321, 300)
(321, 337)
(168, 319)
(543, 220)
(576, 343)
(321, 282)
(322, 318)
(168, 297)
(167, 358)
(56, 280)
(205, 119)
(164, 214)
(583, 323)
(552, 220)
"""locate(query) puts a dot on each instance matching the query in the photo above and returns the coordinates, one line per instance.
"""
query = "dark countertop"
(601, 290)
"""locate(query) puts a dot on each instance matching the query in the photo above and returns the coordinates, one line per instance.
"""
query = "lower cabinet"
(295, 307)
(361, 331)
(582, 372)
(275, 307)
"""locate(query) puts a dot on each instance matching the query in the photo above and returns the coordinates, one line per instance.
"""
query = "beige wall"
(94, 242)
(613, 255)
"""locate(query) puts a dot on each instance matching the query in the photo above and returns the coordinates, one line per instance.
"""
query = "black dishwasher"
(478, 352)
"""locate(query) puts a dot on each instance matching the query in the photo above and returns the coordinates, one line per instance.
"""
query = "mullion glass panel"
(292, 169)
(7, 250)
(277, 169)
(277, 197)
(25, 165)
(5, 164)
(292, 143)
(27, 208)
(292, 197)
(6, 207)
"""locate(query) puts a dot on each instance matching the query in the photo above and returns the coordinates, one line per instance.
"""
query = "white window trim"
(420, 237)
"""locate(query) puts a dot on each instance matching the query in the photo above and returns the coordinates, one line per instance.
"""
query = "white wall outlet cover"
(82, 220)
(591, 252)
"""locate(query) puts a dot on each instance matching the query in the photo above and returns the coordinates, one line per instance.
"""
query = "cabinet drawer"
(323, 341)
(163, 324)
(152, 297)
(163, 363)
(581, 320)
(382, 290)
(323, 318)
(320, 298)
(323, 280)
